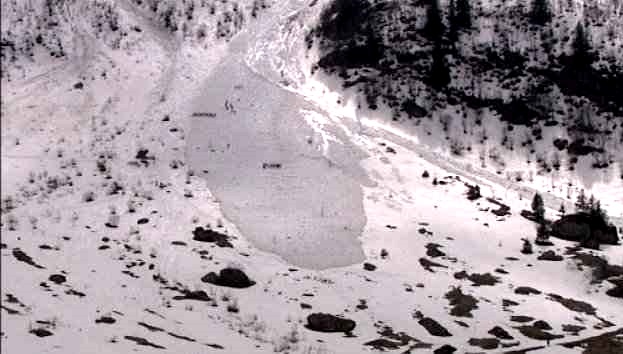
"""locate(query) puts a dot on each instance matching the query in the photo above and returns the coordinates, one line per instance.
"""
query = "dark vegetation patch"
(478, 279)
(462, 304)
(573, 305)
(602, 269)
(502, 210)
(428, 264)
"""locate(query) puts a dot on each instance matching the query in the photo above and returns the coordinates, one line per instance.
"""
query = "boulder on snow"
(230, 277)
(434, 328)
(549, 256)
(324, 322)
(207, 235)
(583, 227)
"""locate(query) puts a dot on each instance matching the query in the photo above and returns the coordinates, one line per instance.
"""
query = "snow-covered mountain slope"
(116, 159)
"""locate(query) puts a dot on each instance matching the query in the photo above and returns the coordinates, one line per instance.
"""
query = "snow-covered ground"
(350, 190)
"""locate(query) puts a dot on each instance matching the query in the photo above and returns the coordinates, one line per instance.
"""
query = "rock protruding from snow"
(434, 328)
(324, 322)
(207, 235)
(229, 277)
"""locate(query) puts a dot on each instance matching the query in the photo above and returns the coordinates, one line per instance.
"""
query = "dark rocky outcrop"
(229, 277)
(324, 322)
(582, 227)
(434, 328)
(617, 291)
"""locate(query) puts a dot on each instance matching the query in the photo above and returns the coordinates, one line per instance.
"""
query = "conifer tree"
(463, 14)
(540, 12)
(434, 27)
(580, 204)
(538, 208)
(581, 47)
(440, 73)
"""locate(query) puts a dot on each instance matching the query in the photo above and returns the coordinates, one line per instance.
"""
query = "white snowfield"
(241, 138)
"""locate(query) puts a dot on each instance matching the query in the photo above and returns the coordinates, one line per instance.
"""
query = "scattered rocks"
(434, 328)
(229, 277)
(324, 322)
